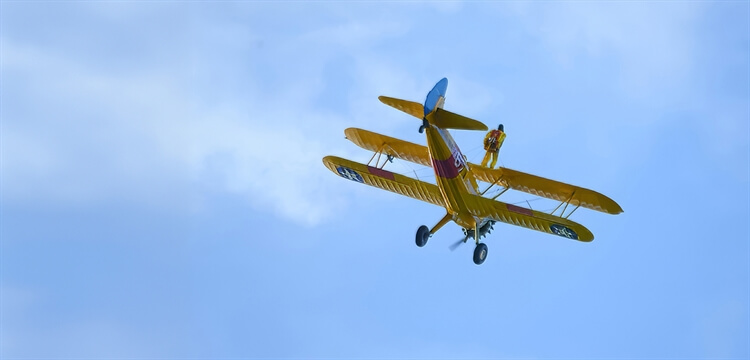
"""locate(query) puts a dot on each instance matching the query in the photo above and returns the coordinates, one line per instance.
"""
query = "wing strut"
(497, 182)
(380, 148)
(491, 185)
(502, 192)
(379, 152)
(566, 202)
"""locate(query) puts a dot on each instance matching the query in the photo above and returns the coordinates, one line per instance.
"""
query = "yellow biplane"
(456, 189)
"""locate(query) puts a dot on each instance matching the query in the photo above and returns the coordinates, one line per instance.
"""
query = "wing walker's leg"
(440, 223)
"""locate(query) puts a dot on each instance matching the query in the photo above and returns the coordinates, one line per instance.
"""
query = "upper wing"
(530, 219)
(547, 188)
(401, 149)
(516, 180)
(384, 179)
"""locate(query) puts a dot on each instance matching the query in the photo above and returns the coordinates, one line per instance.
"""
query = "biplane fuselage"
(451, 172)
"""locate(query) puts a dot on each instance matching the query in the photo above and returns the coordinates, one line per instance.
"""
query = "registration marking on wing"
(564, 231)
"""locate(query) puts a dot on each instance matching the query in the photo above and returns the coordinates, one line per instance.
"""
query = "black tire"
(423, 234)
(480, 253)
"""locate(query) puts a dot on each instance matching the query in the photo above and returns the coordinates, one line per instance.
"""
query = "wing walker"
(456, 187)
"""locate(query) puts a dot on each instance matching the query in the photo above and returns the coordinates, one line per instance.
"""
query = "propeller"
(484, 231)
(455, 245)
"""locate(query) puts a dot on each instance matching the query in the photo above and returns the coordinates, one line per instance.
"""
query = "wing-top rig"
(456, 186)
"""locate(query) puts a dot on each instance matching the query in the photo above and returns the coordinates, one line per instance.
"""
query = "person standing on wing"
(492, 143)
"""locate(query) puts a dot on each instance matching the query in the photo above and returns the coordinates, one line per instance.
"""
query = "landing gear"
(480, 253)
(423, 234)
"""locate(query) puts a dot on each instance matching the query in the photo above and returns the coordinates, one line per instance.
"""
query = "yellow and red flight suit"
(492, 143)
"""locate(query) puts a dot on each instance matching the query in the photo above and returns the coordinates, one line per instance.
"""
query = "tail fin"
(415, 109)
(436, 96)
(445, 119)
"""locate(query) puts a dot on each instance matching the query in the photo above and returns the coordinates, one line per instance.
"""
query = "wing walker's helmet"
(500, 127)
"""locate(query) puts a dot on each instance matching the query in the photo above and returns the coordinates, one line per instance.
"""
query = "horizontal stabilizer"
(445, 119)
(410, 107)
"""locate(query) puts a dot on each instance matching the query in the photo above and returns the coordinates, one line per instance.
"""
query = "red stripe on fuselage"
(446, 168)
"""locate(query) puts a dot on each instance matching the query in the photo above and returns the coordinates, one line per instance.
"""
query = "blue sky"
(163, 194)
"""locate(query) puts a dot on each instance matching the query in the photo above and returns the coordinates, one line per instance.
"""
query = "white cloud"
(650, 43)
(168, 127)
(653, 55)
(353, 34)
(148, 135)
(142, 133)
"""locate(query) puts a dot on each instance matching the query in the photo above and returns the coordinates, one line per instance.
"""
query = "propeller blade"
(455, 245)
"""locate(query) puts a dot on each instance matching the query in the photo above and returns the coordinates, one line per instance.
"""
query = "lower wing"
(479, 206)
(385, 180)
(516, 180)
(531, 219)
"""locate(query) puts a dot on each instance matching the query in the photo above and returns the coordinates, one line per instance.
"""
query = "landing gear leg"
(440, 223)
(480, 252)
(424, 233)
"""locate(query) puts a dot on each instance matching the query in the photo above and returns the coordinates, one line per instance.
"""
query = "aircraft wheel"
(423, 234)
(480, 253)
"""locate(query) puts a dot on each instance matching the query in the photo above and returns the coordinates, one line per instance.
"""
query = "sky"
(162, 194)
